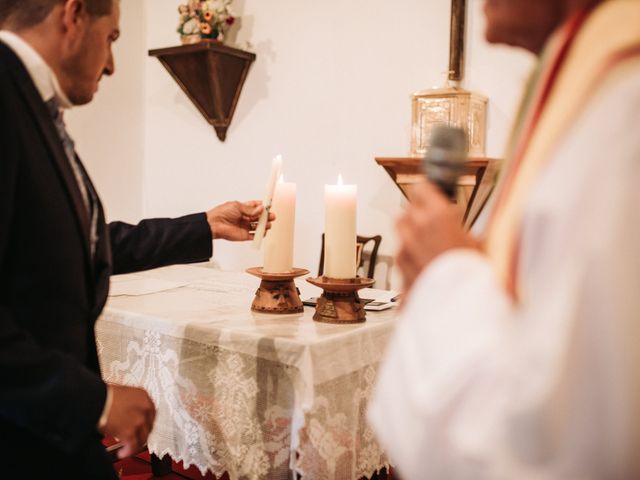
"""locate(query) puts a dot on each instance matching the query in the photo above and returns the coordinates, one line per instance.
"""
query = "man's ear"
(74, 15)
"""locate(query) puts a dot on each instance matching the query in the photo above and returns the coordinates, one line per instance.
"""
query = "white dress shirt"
(43, 77)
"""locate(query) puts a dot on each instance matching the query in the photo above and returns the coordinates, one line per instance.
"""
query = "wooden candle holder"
(277, 292)
(340, 302)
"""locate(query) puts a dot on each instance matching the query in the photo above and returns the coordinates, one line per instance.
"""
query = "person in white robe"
(517, 354)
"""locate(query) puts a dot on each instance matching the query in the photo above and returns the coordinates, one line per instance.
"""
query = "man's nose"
(110, 67)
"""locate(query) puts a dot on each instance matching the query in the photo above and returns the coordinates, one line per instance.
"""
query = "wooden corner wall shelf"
(212, 76)
(475, 184)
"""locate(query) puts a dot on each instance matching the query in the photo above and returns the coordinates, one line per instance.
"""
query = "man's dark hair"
(20, 14)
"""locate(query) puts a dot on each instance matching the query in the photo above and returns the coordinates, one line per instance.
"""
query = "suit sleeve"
(42, 390)
(160, 242)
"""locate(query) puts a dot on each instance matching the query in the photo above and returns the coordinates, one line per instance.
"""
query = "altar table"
(254, 395)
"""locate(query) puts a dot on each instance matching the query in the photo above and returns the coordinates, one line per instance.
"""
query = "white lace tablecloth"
(254, 395)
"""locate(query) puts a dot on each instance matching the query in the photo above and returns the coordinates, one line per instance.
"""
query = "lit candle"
(278, 244)
(340, 230)
(276, 167)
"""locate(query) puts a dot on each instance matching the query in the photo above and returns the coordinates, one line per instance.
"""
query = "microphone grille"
(449, 140)
(444, 160)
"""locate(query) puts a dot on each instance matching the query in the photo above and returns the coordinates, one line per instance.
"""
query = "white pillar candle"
(340, 230)
(278, 247)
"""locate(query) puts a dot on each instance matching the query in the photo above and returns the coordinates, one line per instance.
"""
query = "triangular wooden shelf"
(212, 76)
(474, 187)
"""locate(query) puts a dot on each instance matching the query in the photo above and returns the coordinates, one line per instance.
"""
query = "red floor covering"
(138, 467)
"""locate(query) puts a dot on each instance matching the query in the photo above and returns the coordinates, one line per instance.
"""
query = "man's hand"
(235, 221)
(130, 418)
(430, 226)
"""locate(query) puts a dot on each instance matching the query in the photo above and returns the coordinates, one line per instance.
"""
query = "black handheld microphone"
(444, 161)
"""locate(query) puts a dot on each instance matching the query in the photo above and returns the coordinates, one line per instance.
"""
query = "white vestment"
(477, 386)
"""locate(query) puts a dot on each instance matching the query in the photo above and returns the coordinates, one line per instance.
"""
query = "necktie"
(89, 196)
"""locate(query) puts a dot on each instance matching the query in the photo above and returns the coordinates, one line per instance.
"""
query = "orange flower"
(208, 15)
(205, 28)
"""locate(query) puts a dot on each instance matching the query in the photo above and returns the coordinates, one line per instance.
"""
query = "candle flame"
(339, 179)
(281, 179)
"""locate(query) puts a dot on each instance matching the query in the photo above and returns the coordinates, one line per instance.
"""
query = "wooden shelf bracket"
(212, 75)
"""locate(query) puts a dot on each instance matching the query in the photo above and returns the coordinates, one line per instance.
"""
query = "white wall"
(330, 90)
(109, 132)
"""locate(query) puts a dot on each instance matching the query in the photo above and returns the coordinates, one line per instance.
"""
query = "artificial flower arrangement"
(208, 19)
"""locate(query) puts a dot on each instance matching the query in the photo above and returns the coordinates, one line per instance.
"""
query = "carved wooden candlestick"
(340, 302)
(277, 292)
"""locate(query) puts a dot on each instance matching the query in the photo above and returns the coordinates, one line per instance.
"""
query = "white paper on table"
(381, 299)
(378, 295)
(135, 285)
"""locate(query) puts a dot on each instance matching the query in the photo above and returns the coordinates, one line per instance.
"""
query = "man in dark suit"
(57, 253)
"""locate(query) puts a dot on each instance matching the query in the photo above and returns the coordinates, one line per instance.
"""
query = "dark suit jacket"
(51, 291)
